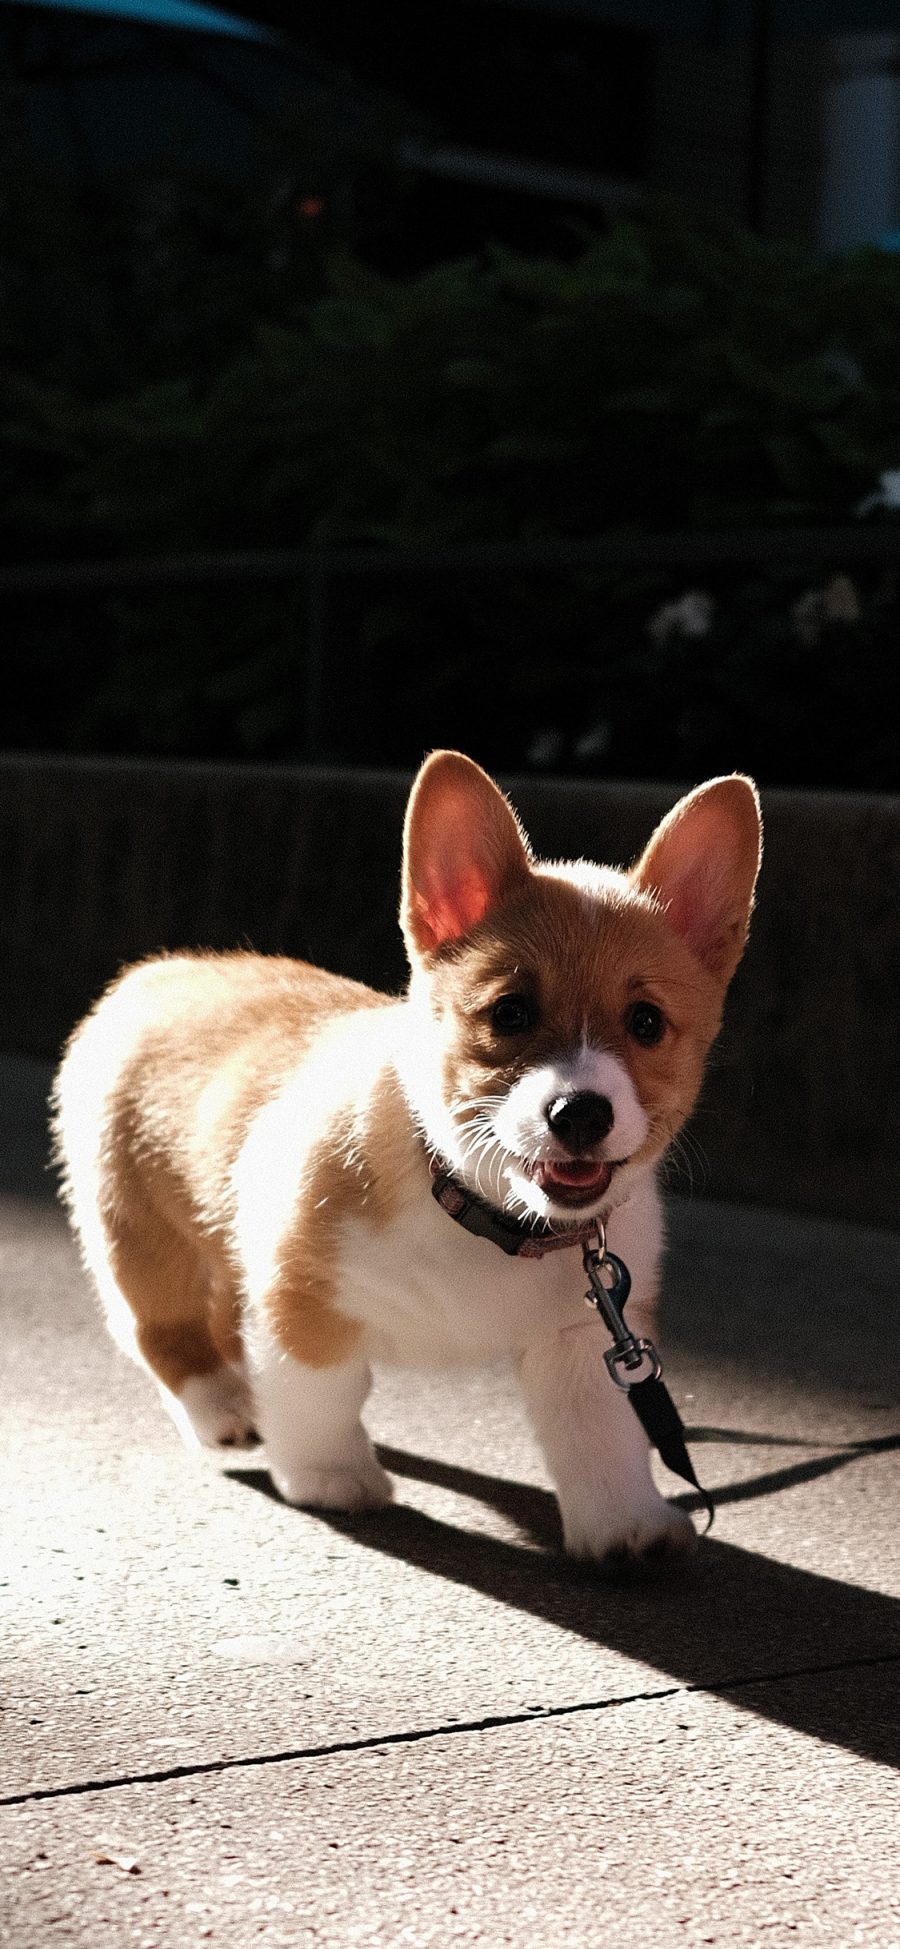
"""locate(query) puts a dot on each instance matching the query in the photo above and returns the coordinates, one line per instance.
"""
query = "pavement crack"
(492, 1722)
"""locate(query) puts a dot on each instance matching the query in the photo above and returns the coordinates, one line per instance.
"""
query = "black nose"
(580, 1121)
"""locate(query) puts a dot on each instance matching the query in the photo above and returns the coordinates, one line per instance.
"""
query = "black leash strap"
(658, 1415)
(635, 1365)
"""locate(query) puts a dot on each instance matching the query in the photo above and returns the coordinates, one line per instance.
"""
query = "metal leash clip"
(629, 1359)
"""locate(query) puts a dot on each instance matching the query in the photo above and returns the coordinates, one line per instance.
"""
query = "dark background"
(512, 376)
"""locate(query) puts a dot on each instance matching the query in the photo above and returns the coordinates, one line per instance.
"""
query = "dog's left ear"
(464, 852)
(702, 864)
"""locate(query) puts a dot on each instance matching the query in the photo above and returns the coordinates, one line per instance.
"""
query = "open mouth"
(572, 1182)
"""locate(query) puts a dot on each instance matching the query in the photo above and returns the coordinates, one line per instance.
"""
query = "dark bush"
(666, 377)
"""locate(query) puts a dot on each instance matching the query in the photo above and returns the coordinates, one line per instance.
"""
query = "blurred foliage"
(187, 366)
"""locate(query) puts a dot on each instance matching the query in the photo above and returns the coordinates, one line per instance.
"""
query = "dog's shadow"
(765, 1634)
(534, 1512)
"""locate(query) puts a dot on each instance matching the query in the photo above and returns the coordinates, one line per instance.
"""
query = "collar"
(515, 1236)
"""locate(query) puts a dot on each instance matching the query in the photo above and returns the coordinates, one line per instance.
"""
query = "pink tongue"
(577, 1173)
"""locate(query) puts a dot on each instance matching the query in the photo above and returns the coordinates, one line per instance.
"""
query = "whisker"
(481, 1147)
(685, 1153)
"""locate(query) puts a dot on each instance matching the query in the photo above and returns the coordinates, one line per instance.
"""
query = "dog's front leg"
(318, 1452)
(598, 1454)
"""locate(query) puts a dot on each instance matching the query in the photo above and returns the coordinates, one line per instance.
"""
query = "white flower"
(887, 493)
(691, 615)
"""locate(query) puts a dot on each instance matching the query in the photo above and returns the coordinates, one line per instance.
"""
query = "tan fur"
(357, 1170)
(201, 1043)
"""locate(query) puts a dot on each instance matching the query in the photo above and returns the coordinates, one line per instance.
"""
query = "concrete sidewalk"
(228, 1721)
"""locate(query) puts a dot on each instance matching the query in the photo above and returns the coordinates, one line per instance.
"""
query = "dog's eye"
(512, 1015)
(646, 1023)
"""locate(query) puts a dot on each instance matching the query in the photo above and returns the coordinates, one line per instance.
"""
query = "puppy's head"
(563, 1012)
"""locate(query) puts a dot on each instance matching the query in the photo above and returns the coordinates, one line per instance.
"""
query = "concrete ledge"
(105, 860)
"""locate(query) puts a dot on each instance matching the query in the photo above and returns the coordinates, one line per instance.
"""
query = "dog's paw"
(216, 1410)
(362, 1485)
(646, 1541)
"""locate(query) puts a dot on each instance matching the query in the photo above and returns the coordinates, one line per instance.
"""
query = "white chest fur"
(430, 1294)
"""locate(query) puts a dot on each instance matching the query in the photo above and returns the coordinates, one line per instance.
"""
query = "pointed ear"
(463, 851)
(702, 864)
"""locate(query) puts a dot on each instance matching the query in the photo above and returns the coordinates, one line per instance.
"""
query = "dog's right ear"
(463, 852)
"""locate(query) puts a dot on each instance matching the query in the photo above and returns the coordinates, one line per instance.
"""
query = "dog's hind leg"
(173, 1309)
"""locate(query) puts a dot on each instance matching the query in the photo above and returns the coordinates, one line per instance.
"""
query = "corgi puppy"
(265, 1163)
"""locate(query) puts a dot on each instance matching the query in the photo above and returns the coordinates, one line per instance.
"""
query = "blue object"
(179, 14)
(112, 85)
